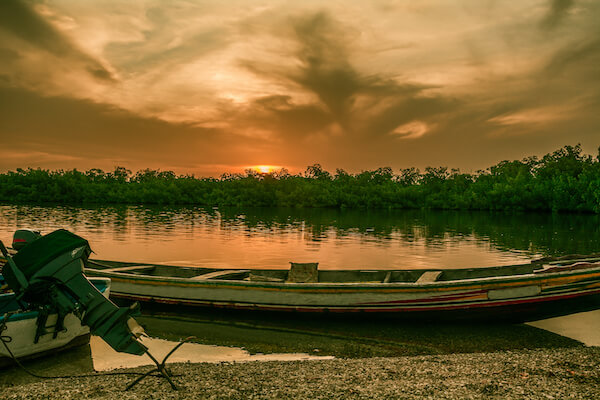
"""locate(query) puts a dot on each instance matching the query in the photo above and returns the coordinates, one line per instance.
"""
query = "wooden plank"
(220, 274)
(570, 267)
(263, 278)
(388, 277)
(429, 277)
(125, 269)
(589, 259)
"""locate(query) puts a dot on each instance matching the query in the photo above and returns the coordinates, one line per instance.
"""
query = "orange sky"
(208, 87)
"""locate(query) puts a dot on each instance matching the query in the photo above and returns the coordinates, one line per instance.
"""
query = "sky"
(207, 87)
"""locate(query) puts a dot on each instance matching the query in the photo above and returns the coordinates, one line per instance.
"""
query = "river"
(351, 239)
(337, 239)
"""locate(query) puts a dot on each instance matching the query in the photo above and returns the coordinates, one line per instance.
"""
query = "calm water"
(104, 358)
(260, 238)
(242, 238)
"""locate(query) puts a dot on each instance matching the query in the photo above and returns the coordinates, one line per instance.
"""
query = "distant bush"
(565, 180)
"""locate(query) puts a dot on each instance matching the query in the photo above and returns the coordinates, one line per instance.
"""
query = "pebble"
(572, 373)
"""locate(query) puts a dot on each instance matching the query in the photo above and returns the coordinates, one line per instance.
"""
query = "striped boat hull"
(519, 297)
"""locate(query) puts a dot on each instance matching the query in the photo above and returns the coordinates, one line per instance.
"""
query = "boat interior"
(309, 273)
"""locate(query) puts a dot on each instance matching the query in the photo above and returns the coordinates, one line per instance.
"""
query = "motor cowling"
(23, 237)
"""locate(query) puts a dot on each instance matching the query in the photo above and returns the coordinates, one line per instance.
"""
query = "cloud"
(100, 135)
(206, 85)
(363, 106)
(534, 116)
(19, 19)
(411, 130)
(163, 43)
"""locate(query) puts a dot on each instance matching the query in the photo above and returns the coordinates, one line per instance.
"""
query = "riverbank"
(530, 184)
(559, 373)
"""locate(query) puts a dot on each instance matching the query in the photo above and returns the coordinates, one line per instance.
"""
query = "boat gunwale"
(362, 307)
(493, 281)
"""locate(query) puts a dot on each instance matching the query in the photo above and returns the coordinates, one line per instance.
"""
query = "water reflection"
(584, 326)
(105, 358)
(220, 339)
(335, 238)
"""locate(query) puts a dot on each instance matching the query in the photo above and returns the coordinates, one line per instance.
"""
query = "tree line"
(564, 180)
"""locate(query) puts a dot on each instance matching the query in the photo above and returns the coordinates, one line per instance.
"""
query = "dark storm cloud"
(571, 74)
(364, 106)
(326, 71)
(280, 113)
(558, 11)
(17, 18)
(7, 54)
(556, 97)
(325, 53)
(581, 54)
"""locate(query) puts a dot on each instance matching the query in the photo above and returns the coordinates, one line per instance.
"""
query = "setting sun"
(265, 169)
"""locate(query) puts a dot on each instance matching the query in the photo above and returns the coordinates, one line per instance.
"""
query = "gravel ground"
(529, 374)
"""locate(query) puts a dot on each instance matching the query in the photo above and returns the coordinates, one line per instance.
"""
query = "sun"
(265, 169)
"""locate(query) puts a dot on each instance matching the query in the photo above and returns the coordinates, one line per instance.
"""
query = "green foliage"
(565, 180)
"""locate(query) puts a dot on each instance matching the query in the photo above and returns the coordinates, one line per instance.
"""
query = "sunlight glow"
(265, 169)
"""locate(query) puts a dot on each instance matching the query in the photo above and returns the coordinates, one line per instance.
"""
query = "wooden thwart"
(388, 277)
(220, 274)
(429, 277)
(130, 268)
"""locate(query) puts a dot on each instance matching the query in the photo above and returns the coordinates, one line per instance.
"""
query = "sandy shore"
(527, 374)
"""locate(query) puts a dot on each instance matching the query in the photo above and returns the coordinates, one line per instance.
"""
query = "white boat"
(21, 334)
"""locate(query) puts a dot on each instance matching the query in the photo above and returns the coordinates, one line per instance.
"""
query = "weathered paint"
(394, 297)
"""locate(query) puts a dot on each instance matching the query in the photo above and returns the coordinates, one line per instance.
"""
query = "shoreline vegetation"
(565, 180)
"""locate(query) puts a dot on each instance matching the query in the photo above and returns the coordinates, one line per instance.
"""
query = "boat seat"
(303, 273)
(220, 274)
(429, 277)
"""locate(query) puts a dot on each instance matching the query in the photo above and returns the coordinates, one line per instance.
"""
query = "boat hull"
(516, 298)
(515, 313)
(23, 331)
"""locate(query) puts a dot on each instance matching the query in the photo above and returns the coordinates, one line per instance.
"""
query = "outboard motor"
(48, 271)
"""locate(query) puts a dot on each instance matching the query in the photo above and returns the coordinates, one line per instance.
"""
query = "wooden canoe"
(515, 292)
